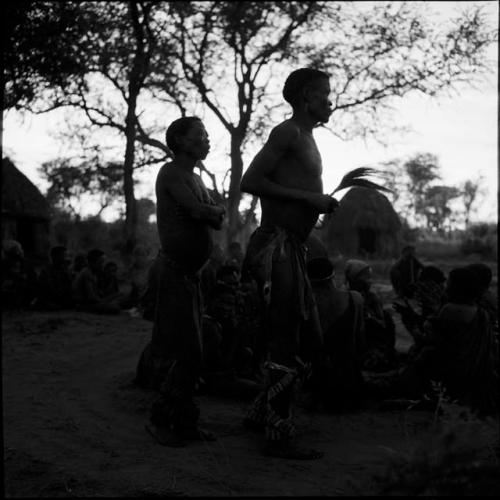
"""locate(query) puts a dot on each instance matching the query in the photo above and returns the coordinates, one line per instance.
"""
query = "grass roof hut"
(25, 211)
(364, 225)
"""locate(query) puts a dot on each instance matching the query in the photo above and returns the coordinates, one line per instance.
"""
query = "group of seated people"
(88, 283)
(453, 321)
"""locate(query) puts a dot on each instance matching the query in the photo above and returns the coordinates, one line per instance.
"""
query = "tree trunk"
(128, 177)
(234, 195)
(136, 79)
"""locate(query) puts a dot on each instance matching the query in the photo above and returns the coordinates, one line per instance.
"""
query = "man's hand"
(323, 203)
(218, 216)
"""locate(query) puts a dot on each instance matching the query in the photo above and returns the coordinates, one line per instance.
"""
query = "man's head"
(358, 275)
(309, 88)
(408, 252)
(188, 135)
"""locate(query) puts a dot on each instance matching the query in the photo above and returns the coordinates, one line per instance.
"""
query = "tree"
(470, 190)
(231, 58)
(116, 49)
(41, 48)
(374, 53)
(436, 207)
(422, 169)
(70, 181)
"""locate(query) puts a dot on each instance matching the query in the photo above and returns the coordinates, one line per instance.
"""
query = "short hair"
(298, 80)
(181, 126)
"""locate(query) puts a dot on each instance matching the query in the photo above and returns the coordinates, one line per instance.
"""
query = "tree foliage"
(42, 48)
(70, 182)
(133, 67)
(419, 195)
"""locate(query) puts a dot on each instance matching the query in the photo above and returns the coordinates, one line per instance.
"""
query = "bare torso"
(299, 168)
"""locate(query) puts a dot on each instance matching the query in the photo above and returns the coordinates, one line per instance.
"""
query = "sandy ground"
(74, 425)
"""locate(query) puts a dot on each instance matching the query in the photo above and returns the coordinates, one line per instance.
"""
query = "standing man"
(185, 216)
(404, 273)
(286, 175)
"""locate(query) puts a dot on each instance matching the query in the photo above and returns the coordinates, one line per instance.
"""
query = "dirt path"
(74, 425)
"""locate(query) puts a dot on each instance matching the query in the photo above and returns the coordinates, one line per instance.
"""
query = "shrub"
(480, 239)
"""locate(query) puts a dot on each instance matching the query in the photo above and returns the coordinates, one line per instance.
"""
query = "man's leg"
(284, 327)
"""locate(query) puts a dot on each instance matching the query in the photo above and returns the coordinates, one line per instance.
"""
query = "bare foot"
(164, 436)
(197, 434)
(291, 451)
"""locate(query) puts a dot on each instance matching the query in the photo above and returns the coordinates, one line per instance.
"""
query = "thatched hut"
(25, 211)
(364, 225)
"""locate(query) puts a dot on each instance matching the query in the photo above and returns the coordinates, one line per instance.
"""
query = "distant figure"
(404, 273)
(342, 322)
(79, 262)
(109, 289)
(147, 301)
(186, 215)
(19, 279)
(286, 176)
(380, 330)
(487, 299)
(55, 282)
(138, 276)
(429, 290)
(86, 287)
(209, 271)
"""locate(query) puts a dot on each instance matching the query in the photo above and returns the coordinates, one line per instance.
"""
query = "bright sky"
(461, 131)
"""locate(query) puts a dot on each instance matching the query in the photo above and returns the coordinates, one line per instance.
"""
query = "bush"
(480, 239)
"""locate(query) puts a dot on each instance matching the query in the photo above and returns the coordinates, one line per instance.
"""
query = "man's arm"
(257, 178)
(191, 205)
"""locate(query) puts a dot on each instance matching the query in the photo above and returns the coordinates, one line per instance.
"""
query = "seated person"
(108, 282)
(225, 307)
(404, 273)
(209, 271)
(429, 290)
(457, 348)
(86, 291)
(487, 298)
(137, 278)
(147, 301)
(79, 262)
(380, 330)
(19, 279)
(342, 323)
(55, 282)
